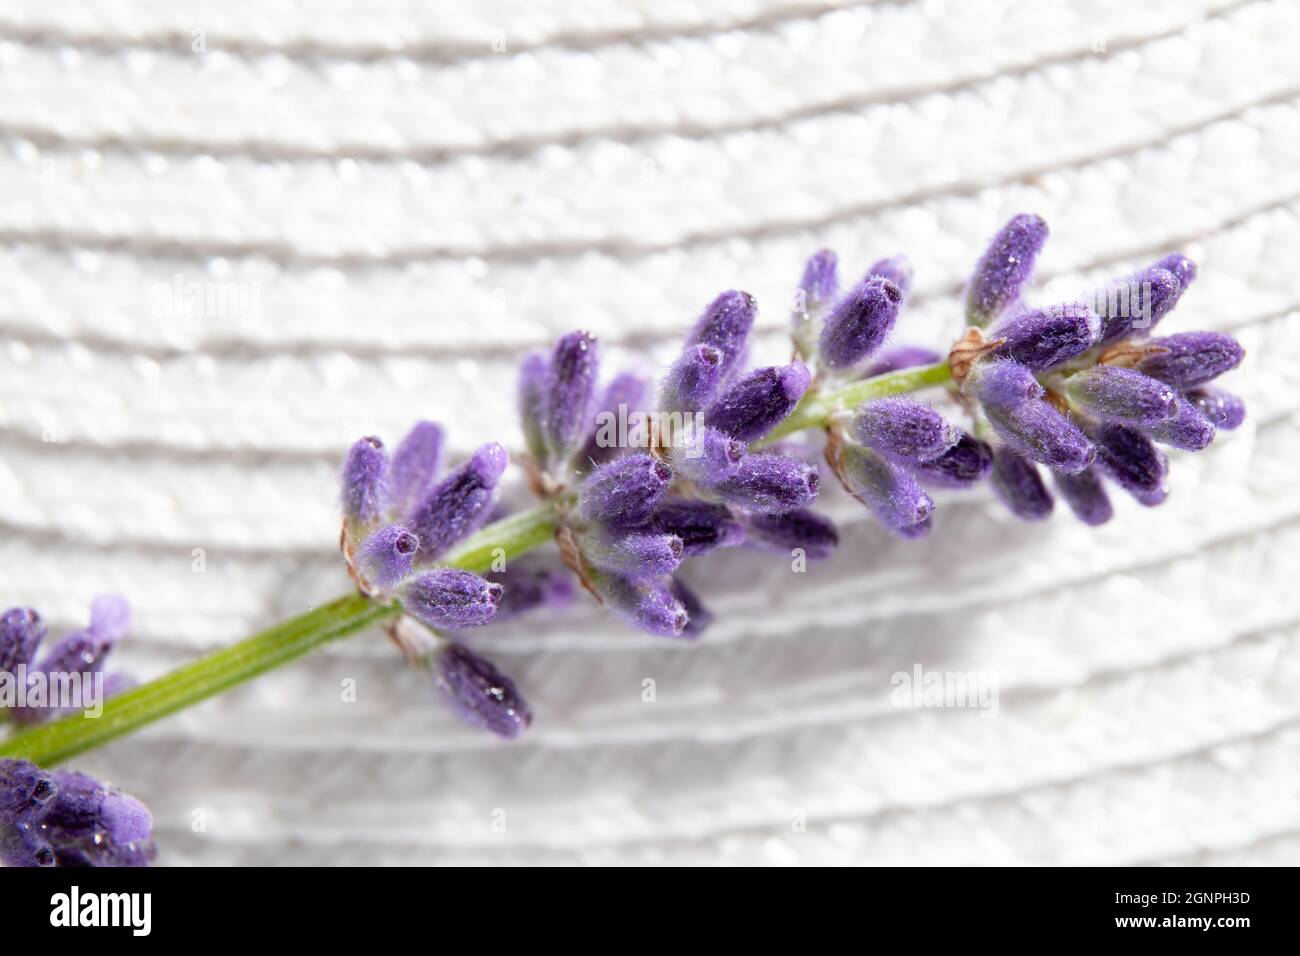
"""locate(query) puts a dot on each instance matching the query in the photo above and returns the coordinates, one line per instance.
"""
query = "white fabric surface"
(414, 209)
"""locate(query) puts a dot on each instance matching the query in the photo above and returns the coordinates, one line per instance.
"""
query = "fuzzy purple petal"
(624, 397)
(890, 492)
(702, 526)
(1005, 267)
(961, 466)
(904, 430)
(1189, 429)
(450, 598)
(897, 269)
(636, 554)
(1224, 410)
(725, 325)
(650, 606)
(534, 376)
(699, 616)
(387, 556)
(21, 631)
(1135, 303)
(1041, 433)
(415, 466)
(1018, 483)
(901, 357)
(480, 694)
(1086, 496)
(707, 455)
(757, 403)
(805, 530)
(458, 504)
(1040, 339)
(1128, 458)
(860, 322)
(1192, 358)
(570, 389)
(1121, 395)
(1002, 383)
(691, 382)
(624, 493)
(770, 482)
(365, 482)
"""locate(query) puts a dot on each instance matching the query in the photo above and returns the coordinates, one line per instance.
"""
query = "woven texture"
(402, 197)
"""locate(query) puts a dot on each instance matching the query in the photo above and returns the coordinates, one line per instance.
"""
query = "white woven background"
(416, 208)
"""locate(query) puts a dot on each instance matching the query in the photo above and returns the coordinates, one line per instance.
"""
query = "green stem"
(508, 538)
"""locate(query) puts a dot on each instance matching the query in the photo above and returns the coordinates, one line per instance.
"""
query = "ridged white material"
(402, 198)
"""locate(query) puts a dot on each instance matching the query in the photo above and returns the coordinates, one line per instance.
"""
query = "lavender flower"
(770, 482)
(387, 556)
(961, 466)
(1041, 433)
(903, 430)
(693, 380)
(365, 482)
(1002, 383)
(480, 694)
(625, 394)
(896, 269)
(701, 526)
(1221, 409)
(892, 494)
(1018, 483)
(801, 529)
(458, 504)
(1189, 429)
(757, 403)
(570, 387)
(1005, 267)
(638, 554)
(528, 586)
(1041, 339)
(698, 616)
(860, 323)
(1121, 395)
(21, 630)
(624, 493)
(69, 819)
(1085, 495)
(706, 455)
(1130, 459)
(1135, 303)
(534, 375)
(450, 598)
(648, 605)
(415, 463)
(817, 292)
(1189, 359)
(725, 325)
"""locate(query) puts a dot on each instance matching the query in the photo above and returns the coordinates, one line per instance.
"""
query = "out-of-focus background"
(237, 234)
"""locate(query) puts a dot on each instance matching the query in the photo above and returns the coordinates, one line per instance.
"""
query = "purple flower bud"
(769, 482)
(860, 323)
(450, 598)
(458, 504)
(624, 493)
(625, 394)
(636, 554)
(961, 466)
(365, 482)
(1005, 267)
(386, 556)
(649, 606)
(692, 381)
(1040, 339)
(904, 356)
(757, 403)
(699, 616)
(1121, 395)
(1183, 268)
(1136, 302)
(700, 525)
(725, 325)
(806, 530)
(21, 630)
(706, 455)
(918, 530)
(528, 587)
(534, 375)
(110, 617)
(897, 269)
(819, 286)
(480, 694)
(1002, 383)
(25, 790)
(903, 430)
(415, 463)
(1086, 496)
(1128, 457)
(569, 391)
(891, 493)
(1017, 482)
(1039, 432)
(1223, 410)
(1192, 358)
(1188, 429)
(81, 652)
